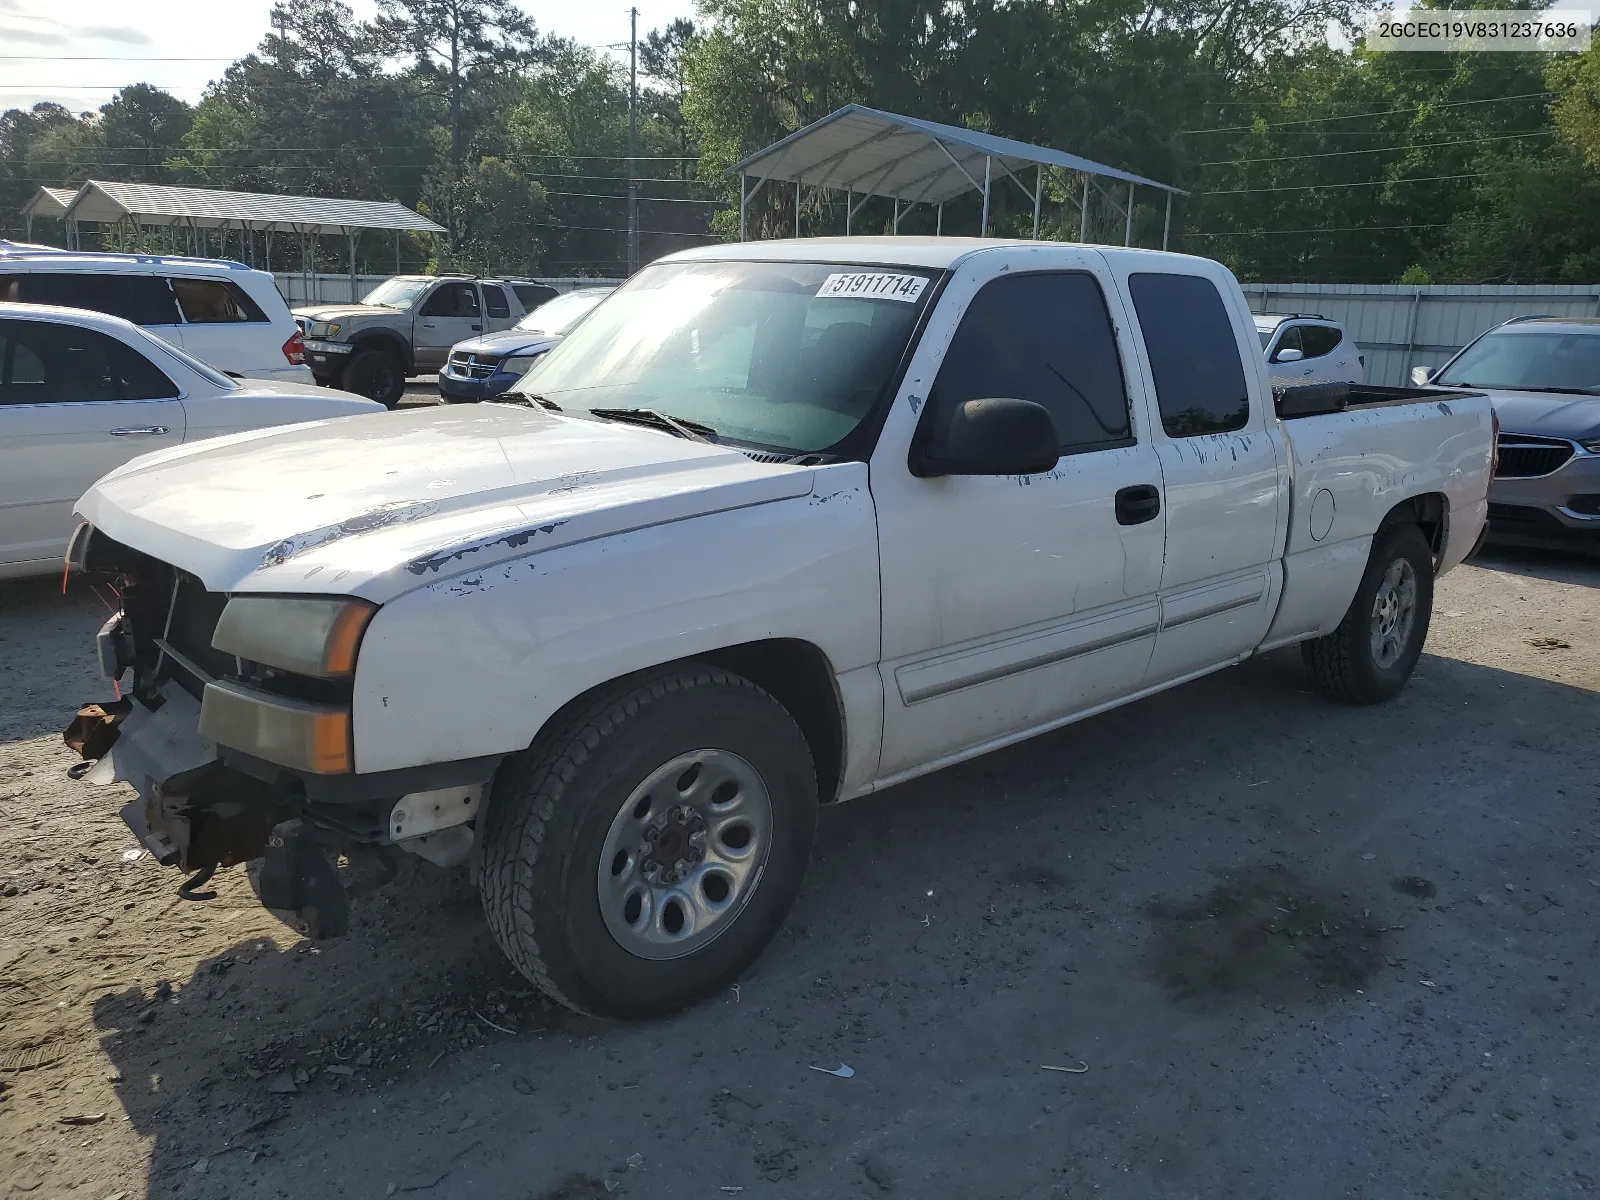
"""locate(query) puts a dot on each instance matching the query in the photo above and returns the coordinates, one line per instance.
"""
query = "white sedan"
(81, 393)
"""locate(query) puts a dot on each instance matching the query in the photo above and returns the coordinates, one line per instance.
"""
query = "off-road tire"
(550, 808)
(377, 375)
(1342, 664)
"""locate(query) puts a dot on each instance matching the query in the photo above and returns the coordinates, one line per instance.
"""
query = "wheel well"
(391, 342)
(796, 674)
(800, 678)
(1428, 512)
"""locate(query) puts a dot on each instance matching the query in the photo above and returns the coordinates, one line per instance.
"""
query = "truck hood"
(1547, 414)
(508, 341)
(348, 312)
(374, 506)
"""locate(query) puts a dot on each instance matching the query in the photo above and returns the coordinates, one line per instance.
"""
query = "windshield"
(1266, 336)
(787, 355)
(1527, 360)
(558, 315)
(396, 293)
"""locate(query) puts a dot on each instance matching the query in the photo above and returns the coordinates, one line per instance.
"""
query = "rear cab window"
(1194, 358)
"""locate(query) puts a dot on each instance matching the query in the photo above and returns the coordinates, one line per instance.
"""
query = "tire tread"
(516, 822)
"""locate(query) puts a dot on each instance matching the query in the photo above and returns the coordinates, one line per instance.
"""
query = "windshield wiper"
(655, 419)
(526, 400)
(1555, 391)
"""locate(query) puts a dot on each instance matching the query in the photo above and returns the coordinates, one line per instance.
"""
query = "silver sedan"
(1543, 376)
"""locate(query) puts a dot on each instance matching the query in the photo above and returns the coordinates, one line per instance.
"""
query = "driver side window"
(1046, 338)
(1289, 341)
(452, 300)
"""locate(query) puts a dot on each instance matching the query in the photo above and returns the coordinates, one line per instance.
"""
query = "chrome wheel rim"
(1394, 612)
(684, 854)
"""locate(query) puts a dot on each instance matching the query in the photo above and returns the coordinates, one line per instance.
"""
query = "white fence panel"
(302, 289)
(1398, 326)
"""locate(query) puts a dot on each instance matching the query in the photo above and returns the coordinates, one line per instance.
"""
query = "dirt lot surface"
(1274, 948)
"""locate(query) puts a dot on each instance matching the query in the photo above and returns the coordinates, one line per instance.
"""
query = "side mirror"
(987, 437)
(1420, 376)
(1288, 354)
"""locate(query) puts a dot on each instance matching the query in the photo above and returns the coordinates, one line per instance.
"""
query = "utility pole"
(633, 140)
(283, 37)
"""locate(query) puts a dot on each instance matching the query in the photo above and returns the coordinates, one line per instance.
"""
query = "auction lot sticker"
(874, 285)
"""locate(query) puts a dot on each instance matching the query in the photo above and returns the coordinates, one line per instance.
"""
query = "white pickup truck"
(778, 525)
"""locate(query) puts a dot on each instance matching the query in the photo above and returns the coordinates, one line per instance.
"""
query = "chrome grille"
(474, 366)
(1526, 457)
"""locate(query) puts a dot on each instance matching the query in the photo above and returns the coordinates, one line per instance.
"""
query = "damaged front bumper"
(235, 760)
(201, 807)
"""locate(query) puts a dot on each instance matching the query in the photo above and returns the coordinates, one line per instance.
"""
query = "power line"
(1311, 187)
(1387, 112)
(412, 146)
(1226, 162)
(616, 196)
(1345, 229)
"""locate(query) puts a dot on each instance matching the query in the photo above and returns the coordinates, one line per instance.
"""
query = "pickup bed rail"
(1318, 399)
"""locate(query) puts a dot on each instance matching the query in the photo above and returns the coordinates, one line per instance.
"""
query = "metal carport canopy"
(48, 202)
(106, 202)
(860, 149)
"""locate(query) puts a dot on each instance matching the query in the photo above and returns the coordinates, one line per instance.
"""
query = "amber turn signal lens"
(344, 638)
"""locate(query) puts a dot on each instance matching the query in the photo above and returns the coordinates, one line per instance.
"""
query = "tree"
(458, 43)
(20, 178)
(142, 127)
(663, 56)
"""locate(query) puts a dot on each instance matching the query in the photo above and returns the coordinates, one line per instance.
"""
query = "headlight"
(322, 329)
(518, 364)
(306, 635)
(1592, 445)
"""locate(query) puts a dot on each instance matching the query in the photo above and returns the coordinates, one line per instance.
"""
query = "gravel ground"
(1279, 948)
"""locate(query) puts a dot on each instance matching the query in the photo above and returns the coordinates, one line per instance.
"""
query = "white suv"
(1303, 348)
(222, 312)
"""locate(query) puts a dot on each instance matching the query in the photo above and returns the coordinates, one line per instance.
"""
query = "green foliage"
(1304, 162)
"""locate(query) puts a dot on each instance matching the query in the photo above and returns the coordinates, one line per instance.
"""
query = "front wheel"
(377, 375)
(641, 855)
(1372, 653)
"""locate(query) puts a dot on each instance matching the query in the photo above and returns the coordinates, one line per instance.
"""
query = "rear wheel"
(643, 853)
(377, 375)
(1372, 653)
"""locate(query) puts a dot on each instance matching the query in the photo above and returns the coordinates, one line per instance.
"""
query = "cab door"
(496, 308)
(75, 403)
(450, 314)
(1011, 602)
(1224, 482)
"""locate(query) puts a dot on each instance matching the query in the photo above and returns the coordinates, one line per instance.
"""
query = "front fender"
(476, 663)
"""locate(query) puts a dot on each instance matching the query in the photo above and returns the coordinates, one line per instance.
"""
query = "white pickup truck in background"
(777, 525)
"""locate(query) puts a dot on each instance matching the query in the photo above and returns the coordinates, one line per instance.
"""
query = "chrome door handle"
(130, 430)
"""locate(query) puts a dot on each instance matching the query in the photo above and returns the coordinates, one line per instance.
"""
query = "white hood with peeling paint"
(373, 506)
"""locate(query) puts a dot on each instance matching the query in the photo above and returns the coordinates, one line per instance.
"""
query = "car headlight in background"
(323, 329)
(313, 636)
(1592, 445)
(518, 364)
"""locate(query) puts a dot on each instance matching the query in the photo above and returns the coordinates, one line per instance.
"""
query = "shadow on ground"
(1278, 947)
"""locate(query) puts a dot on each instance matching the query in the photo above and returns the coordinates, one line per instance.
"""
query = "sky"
(48, 50)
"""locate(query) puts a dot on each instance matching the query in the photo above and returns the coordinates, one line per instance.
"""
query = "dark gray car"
(1543, 376)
